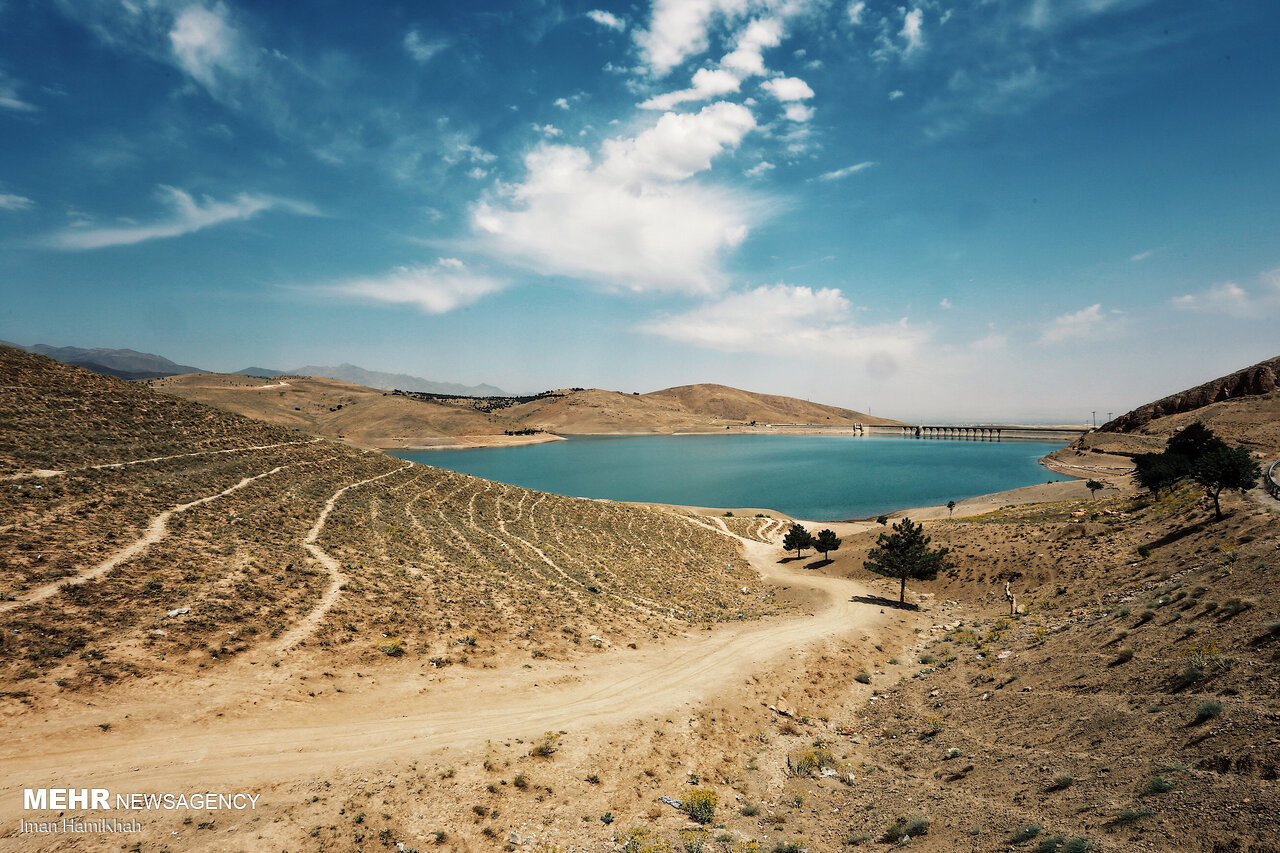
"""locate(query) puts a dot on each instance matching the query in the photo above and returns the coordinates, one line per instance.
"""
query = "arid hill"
(367, 417)
(1242, 408)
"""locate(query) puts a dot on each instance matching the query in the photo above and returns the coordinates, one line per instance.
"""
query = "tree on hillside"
(1094, 487)
(1222, 468)
(797, 539)
(827, 542)
(1156, 472)
(905, 554)
(882, 520)
(1192, 442)
(951, 507)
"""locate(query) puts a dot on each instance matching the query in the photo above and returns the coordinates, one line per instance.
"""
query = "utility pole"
(1095, 420)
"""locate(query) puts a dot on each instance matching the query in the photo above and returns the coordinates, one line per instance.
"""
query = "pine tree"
(797, 539)
(827, 542)
(905, 554)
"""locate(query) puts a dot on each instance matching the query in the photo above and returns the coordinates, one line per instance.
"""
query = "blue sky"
(1011, 209)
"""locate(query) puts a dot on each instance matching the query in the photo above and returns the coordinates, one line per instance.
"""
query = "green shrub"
(1207, 710)
(1028, 832)
(1158, 785)
(864, 677)
(700, 805)
(905, 827)
(1061, 782)
(749, 810)
(546, 747)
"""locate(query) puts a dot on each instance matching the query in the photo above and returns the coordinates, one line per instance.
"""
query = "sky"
(992, 210)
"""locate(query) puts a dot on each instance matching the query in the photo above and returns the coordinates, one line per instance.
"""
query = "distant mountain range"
(121, 363)
(377, 379)
(130, 364)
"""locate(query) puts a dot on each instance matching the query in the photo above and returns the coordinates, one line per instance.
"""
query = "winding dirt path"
(187, 741)
(337, 578)
(156, 530)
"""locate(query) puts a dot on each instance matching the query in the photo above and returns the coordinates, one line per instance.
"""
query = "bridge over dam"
(972, 432)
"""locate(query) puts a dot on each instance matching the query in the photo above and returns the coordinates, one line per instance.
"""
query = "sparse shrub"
(1061, 782)
(1125, 655)
(863, 677)
(1124, 817)
(793, 797)
(693, 840)
(593, 778)
(1158, 785)
(1207, 710)
(953, 752)
(521, 781)
(1273, 628)
(749, 810)
(1144, 552)
(808, 762)
(546, 747)
(792, 846)
(392, 647)
(1025, 834)
(700, 805)
(905, 827)
(926, 658)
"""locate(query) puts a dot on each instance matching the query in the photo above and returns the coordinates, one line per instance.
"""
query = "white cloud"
(788, 89)
(422, 49)
(846, 171)
(747, 57)
(707, 84)
(895, 94)
(607, 19)
(631, 220)
(436, 289)
(678, 29)
(759, 169)
(1232, 299)
(993, 342)
(913, 30)
(1078, 325)
(855, 12)
(9, 97)
(1142, 256)
(188, 215)
(945, 304)
(786, 319)
(798, 112)
(548, 130)
(562, 103)
(10, 201)
(205, 45)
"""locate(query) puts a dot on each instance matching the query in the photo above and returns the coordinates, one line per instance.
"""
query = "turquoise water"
(826, 478)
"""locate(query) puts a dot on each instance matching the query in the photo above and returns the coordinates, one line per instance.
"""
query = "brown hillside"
(593, 411)
(1242, 408)
(744, 407)
(364, 417)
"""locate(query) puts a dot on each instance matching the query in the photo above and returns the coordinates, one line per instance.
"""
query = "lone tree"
(904, 554)
(1156, 472)
(1221, 468)
(827, 542)
(882, 520)
(1094, 487)
(797, 539)
(951, 507)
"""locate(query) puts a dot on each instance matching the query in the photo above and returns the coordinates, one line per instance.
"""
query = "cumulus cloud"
(855, 12)
(630, 220)
(759, 169)
(422, 49)
(787, 319)
(187, 215)
(747, 57)
(706, 84)
(678, 29)
(437, 289)
(1232, 299)
(896, 94)
(1079, 325)
(798, 112)
(607, 19)
(846, 171)
(913, 30)
(788, 89)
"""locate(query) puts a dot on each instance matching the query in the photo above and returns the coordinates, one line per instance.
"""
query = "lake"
(821, 478)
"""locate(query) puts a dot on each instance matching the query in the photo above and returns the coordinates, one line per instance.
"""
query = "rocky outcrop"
(1261, 378)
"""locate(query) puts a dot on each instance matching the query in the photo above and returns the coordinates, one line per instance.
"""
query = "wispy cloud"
(706, 84)
(11, 201)
(1262, 300)
(1078, 325)
(607, 19)
(1142, 256)
(846, 171)
(787, 319)
(187, 215)
(437, 289)
(421, 48)
(9, 97)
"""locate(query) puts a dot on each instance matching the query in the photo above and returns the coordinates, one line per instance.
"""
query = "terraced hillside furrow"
(193, 550)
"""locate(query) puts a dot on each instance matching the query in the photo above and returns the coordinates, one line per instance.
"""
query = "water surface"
(815, 477)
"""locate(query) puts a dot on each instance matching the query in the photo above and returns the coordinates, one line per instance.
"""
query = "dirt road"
(246, 726)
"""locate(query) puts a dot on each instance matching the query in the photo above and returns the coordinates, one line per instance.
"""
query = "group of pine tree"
(903, 554)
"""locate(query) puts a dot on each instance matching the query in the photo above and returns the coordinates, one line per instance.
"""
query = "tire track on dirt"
(338, 578)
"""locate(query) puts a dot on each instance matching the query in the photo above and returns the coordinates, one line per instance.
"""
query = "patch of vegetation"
(905, 827)
(1025, 834)
(700, 805)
